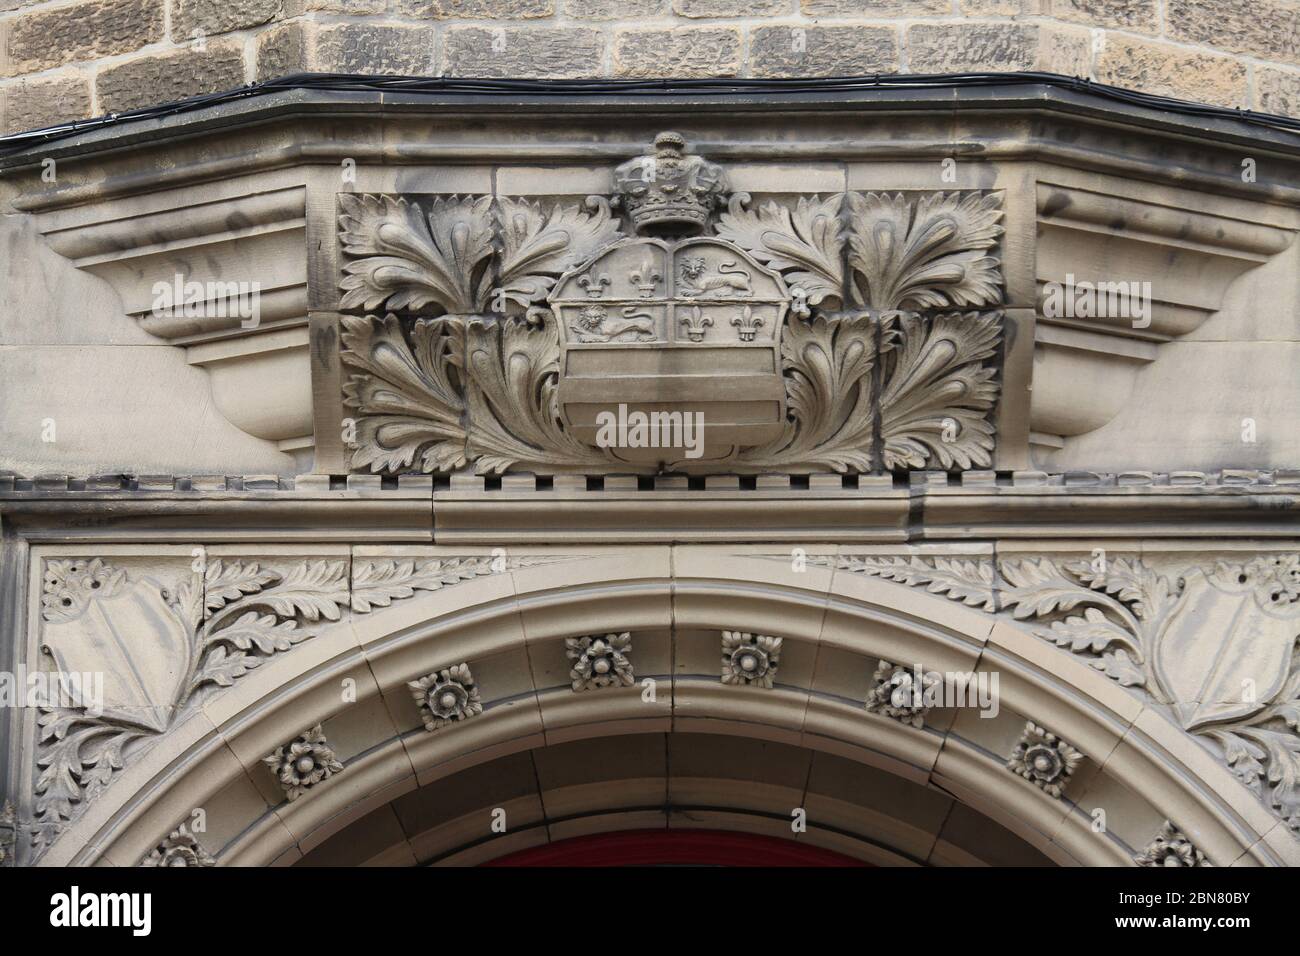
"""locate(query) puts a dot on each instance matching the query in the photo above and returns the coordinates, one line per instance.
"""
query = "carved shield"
(658, 327)
(1225, 649)
(105, 624)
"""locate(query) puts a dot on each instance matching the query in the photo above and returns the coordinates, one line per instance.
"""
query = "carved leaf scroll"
(828, 364)
(410, 401)
(514, 418)
(937, 390)
(537, 246)
(924, 253)
(411, 258)
(804, 243)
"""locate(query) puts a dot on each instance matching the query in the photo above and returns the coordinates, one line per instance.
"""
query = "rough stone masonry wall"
(68, 59)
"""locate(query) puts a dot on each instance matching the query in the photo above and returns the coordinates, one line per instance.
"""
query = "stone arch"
(674, 601)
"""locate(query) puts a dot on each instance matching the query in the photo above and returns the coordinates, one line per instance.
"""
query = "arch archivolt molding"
(368, 671)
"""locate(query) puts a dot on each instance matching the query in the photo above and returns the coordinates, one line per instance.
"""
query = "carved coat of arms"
(669, 329)
(800, 333)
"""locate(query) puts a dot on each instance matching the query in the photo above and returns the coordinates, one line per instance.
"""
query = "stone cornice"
(289, 124)
(823, 508)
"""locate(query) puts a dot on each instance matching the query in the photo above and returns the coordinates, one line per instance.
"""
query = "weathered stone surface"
(1002, 8)
(731, 8)
(30, 104)
(171, 76)
(42, 39)
(476, 9)
(682, 52)
(869, 9)
(524, 52)
(614, 9)
(1265, 28)
(1140, 15)
(1172, 71)
(221, 16)
(954, 48)
(362, 48)
(294, 8)
(1277, 91)
(280, 51)
(821, 51)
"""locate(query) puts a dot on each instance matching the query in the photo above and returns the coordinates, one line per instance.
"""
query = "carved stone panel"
(849, 333)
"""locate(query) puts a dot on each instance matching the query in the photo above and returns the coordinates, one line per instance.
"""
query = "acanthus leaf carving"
(936, 390)
(409, 258)
(970, 582)
(409, 400)
(924, 253)
(377, 583)
(514, 418)
(538, 246)
(805, 244)
(828, 363)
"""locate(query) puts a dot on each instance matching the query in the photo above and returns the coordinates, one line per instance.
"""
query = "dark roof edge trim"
(769, 89)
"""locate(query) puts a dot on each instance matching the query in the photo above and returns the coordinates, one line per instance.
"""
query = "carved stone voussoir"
(561, 338)
(179, 849)
(1044, 759)
(1171, 848)
(446, 696)
(303, 763)
(1213, 646)
(750, 659)
(600, 661)
(899, 692)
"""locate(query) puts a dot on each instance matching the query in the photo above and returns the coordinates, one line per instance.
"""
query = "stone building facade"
(906, 473)
(69, 59)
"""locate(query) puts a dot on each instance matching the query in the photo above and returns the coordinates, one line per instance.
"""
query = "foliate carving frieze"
(1214, 644)
(849, 333)
(158, 645)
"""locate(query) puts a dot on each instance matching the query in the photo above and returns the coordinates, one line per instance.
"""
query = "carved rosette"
(750, 659)
(303, 763)
(1171, 848)
(446, 696)
(600, 661)
(897, 692)
(181, 848)
(1216, 647)
(1044, 759)
(883, 325)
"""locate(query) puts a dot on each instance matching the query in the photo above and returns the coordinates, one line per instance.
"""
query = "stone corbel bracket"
(1190, 248)
(232, 257)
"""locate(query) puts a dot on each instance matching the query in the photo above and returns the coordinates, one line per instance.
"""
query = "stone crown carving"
(669, 191)
(849, 333)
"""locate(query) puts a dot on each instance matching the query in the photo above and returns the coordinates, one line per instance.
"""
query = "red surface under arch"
(675, 848)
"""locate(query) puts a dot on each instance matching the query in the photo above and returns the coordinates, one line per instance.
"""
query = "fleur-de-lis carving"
(696, 323)
(594, 285)
(748, 323)
(645, 278)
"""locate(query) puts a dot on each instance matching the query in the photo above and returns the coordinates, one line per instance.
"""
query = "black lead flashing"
(413, 91)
